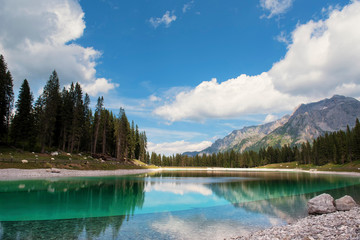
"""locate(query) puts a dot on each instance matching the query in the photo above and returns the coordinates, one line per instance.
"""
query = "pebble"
(338, 225)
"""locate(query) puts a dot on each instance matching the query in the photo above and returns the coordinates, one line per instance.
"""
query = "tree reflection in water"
(73, 207)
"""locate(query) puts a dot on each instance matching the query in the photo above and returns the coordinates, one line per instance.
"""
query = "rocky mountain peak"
(307, 122)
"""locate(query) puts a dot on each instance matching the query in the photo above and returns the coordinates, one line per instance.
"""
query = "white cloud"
(323, 56)
(243, 95)
(169, 148)
(187, 6)
(100, 85)
(154, 98)
(323, 59)
(275, 7)
(282, 37)
(166, 19)
(34, 39)
(270, 118)
(173, 134)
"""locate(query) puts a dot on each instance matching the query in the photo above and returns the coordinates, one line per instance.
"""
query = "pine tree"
(87, 135)
(6, 98)
(78, 118)
(22, 124)
(49, 101)
(122, 136)
(356, 140)
(99, 108)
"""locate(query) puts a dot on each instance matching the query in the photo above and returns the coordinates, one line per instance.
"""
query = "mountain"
(306, 123)
(242, 139)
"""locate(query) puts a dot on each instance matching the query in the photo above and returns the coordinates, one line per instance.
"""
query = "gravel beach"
(14, 174)
(17, 174)
(338, 225)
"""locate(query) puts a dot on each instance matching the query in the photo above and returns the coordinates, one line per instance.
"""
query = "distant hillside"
(306, 123)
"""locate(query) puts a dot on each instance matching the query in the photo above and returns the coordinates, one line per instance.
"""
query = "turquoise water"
(168, 205)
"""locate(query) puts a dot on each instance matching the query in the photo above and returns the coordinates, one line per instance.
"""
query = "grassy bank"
(348, 167)
(12, 158)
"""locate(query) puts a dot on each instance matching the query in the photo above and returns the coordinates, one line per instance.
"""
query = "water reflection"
(72, 198)
(169, 205)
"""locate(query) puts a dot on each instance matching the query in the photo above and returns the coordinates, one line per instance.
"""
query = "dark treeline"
(62, 119)
(337, 147)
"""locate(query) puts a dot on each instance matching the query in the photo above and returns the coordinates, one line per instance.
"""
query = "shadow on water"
(108, 207)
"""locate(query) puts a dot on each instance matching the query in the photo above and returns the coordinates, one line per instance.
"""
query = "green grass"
(348, 167)
(11, 158)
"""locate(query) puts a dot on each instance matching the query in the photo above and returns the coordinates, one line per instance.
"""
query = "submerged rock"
(345, 203)
(321, 204)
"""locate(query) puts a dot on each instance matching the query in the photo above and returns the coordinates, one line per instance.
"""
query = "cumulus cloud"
(169, 148)
(323, 56)
(166, 19)
(239, 96)
(323, 59)
(100, 85)
(35, 38)
(275, 7)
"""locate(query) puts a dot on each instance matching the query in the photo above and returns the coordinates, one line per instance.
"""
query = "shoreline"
(290, 170)
(12, 174)
(21, 174)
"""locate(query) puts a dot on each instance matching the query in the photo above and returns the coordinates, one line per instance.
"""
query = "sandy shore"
(14, 174)
(18, 174)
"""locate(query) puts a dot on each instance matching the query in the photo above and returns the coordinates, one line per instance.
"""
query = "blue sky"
(188, 71)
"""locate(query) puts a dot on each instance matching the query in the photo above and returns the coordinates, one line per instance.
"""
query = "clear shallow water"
(169, 205)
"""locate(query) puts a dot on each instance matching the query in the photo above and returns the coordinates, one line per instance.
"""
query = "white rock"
(323, 203)
(345, 203)
(24, 161)
(54, 170)
(56, 153)
(52, 159)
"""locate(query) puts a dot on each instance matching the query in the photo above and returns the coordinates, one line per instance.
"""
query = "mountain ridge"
(307, 122)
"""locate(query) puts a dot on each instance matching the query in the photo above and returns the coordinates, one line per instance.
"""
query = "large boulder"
(321, 204)
(345, 203)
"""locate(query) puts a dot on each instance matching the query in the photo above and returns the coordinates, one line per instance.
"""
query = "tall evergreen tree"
(22, 124)
(6, 98)
(99, 108)
(78, 118)
(87, 136)
(122, 136)
(49, 101)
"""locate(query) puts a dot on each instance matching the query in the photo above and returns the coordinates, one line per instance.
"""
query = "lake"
(161, 205)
